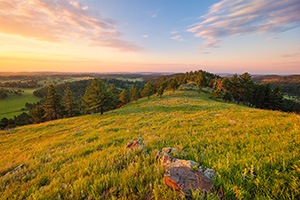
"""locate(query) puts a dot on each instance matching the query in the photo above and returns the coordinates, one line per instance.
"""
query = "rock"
(136, 144)
(209, 173)
(186, 179)
(168, 161)
(99, 149)
(170, 150)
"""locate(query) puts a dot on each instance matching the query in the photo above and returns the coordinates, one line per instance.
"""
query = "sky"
(219, 36)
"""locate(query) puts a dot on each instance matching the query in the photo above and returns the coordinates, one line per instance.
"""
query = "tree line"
(98, 96)
(242, 89)
(4, 92)
(21, 84)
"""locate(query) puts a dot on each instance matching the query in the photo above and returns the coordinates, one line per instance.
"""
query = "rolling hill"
(255, 153)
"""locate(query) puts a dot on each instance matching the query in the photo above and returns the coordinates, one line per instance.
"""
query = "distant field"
(12, 105)
(255, 153)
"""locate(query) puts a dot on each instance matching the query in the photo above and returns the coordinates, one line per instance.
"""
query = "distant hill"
(289, 84)
(255, 153)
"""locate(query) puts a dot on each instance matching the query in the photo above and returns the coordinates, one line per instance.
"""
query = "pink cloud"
(178, 38)
(59, 21)
(231, 18)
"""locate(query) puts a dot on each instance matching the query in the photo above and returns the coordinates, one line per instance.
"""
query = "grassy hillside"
(255, 153)
(12, 105)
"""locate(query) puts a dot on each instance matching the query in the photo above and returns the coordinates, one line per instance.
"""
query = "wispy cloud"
(174, 32)
(178, 38)
(60, 21)
(145, 36)
(232, 18)
(290, 55)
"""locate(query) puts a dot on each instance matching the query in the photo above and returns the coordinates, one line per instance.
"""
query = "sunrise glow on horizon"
(219, 36)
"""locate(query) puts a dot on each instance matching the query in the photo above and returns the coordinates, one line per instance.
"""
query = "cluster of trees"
(98, 97)
(21, 84)
(95, 96)
(4, 92)
(242, 89)
(79, 87)
(290, 84)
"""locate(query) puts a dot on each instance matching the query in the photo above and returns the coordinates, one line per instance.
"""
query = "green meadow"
(255, 153)
(12, 105)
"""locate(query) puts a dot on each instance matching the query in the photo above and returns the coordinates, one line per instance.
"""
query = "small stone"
(99, 149)
(186, 179)
(209, 173)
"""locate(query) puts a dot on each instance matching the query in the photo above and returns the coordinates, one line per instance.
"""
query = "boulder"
(168, 161)
(186, 179)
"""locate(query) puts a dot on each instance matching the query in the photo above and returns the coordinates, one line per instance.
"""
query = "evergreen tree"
(124, 97)
(70, 105)
(216, 93)
(134, 93)
(52, 105)
(148, 90)
(227, 96)
(115, 92)
(246, 87)
(234, 87)
(277, 98)
(226, 85)
(160, 91)
(200, 82)
(267, 96)
(173, 84)
(97, 98)
(38, 114)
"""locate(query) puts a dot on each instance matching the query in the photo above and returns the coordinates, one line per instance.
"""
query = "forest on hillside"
(290, 85)
(100, 95)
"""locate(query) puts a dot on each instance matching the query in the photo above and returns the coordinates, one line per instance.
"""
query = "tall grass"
(257, 157)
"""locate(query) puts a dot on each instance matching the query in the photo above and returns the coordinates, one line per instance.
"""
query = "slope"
(255, 153)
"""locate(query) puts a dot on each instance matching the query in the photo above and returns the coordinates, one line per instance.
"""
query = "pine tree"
(97, 98)
(267, 96)
(200, 82)
(70, 105)
(173, 84)
(115, 92)
(216, 93)
(246, 87)
(124, 97)
(277, 98)
(160, 91)
(38, 114)
(234, 87)
(52, 106)
(134, 93)
(148, 90)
